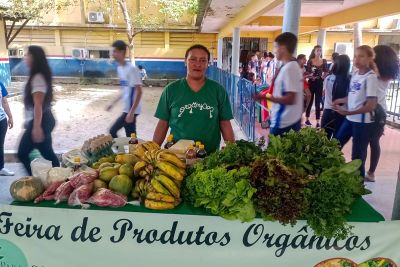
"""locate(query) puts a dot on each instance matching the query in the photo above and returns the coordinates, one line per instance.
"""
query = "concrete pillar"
(220, 52)
(235, 51)
(291, 16)
(357, 35)
(321, 39)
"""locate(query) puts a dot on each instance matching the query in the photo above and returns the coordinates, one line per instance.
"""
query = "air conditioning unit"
(79, 53)
(96, 17)
(344, 49)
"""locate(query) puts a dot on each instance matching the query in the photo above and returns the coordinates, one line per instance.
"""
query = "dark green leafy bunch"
(309, 151)
(331, 197)
(280, 191)
(239, 153)
(222, 192)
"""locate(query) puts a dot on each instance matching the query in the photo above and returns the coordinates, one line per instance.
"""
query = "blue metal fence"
(240, 92)
(393, 102)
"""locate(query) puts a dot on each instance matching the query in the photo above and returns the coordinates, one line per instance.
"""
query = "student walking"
(131, 85)
(287, 96)
(361, 101)
(336, 86)
(317, 67)
(387, 63)
(6, 122)
(39, 119)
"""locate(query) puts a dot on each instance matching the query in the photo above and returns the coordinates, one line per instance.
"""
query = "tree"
(137, 20)
(24, 11)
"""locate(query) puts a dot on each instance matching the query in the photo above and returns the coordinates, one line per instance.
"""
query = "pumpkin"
(26, 189)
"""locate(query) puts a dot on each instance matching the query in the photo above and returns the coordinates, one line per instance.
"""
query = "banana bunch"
(142, 148)
(162, 173)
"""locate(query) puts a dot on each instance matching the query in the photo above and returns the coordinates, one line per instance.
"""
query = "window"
(13, 52)
(97, 54)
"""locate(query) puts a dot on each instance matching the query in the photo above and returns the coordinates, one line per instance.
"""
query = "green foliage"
(331, 197)
(309, 151)
(222, 192)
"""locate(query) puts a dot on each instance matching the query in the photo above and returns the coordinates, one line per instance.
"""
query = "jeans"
(331, 122)
(280, 131)
(46, 147)
(3, 131)
(375, 148)
(130, 128)
(361, 133)
(316, 88)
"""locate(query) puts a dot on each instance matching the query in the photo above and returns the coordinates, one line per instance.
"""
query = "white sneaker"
(5, 172)
(369, 177)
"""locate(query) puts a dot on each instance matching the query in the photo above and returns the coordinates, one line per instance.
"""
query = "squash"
(26, 189)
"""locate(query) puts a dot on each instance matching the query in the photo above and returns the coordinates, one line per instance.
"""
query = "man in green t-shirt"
(195, 108)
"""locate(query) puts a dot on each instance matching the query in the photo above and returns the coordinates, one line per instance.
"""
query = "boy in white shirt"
(287, 93)
(131, 85)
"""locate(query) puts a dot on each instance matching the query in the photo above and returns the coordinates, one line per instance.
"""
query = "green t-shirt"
(195, 116)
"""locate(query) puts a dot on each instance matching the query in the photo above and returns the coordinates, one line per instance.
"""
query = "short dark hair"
(335, 55)
(140, 67)
(287, 39)
(271, 55)
(120, 45)
(301, 56)
(387, 62)
(198, 46)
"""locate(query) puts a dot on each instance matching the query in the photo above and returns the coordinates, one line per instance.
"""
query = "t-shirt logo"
(198, 106)
(355, 87)
(123, 83)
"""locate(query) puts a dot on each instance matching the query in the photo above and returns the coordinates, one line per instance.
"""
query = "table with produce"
(292, 202)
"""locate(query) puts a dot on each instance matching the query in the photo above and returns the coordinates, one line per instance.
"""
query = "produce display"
(300, 176)
(342, 262)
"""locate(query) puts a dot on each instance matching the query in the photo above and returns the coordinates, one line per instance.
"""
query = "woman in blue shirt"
(6, 121)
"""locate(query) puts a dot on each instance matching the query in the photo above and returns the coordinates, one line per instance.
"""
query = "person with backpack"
(336, 86)
(358, 105)
(388, 66)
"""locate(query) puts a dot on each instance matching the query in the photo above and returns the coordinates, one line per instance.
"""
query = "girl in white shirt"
(361, 101)
(387, 63)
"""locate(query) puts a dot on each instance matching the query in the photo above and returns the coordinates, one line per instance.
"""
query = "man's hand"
(10, 123)
(130, 118)
(109, 108)
(341, 110)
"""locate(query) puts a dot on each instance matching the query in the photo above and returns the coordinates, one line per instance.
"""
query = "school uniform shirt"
(361, 88)
(195, 115)
(382, 91)
(129, 77)
(38, 84)
(290, 79)
(328, 89)
(4, 93)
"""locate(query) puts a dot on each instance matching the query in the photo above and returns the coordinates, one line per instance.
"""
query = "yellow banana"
(160, 197)
(139, 151)
(170, 170)
(158, 205)
(171, 158)
(148, 146)
(143, 173)
(169, 185)
(159, 187)
(139, 167)
(154, 145)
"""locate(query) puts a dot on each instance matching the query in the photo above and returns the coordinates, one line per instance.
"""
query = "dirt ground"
(80, 113)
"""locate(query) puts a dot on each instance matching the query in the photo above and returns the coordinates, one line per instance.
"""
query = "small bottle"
(77, 164)
(198, 143)
(170, 141)
(190, 156)
(133, 142)
(201, 153)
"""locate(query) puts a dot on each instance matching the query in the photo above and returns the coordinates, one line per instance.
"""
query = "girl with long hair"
(361, 101)
(39, 120)
(317, 67)
(387, 63)
(336, 86)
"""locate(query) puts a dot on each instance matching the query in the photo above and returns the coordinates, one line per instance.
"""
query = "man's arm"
(137, 97)
(227, 131)
(160, 132)
(8, 112)
(115, 101)
(369, 106)
(288, 99)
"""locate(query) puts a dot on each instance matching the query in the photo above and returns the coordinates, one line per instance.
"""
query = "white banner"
(48, 237)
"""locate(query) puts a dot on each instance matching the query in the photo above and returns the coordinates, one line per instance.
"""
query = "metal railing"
(393, 102)
(240, 92)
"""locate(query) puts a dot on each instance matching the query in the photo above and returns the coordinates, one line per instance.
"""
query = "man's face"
(197, 63)
(280, 51)
(118, 55)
